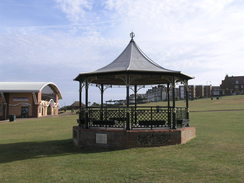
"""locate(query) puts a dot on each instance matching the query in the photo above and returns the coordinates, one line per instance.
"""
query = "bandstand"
(132, 125)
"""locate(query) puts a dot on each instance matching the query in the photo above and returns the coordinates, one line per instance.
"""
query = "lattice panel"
(150, 118)
(107, 118)
(118, 116)
(180, 113)
(141, 118)
(94, 115)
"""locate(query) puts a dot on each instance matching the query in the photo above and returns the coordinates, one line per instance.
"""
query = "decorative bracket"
(105, 87)
(138, 88)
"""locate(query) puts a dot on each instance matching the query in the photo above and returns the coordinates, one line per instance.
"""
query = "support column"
(173, 96)
(86, 111)
(80, 95)
(135, 93)
(169, 110)
(101, 110)
(187, 102)
(80, 102)
(127, 103)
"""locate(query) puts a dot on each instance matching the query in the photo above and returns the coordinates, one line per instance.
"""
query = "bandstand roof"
(133, 62)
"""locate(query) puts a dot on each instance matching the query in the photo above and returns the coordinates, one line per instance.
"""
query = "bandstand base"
(120, 139)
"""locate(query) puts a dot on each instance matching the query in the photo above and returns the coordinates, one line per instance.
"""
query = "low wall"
(112, 138)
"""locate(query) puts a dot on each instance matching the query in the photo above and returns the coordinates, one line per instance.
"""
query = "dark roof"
(233, 79)
(131, 61)
(77, 104)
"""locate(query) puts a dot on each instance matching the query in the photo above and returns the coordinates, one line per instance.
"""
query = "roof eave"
(88, 74)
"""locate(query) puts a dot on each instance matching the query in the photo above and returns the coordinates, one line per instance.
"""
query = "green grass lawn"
(41, 151)
(230, 102)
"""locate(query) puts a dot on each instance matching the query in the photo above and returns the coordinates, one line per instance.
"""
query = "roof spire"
(132, 35)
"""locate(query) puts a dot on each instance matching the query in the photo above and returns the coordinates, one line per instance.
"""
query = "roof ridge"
(131, 42)
(151, 61)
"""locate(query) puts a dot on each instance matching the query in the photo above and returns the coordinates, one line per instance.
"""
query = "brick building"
(207, 90)
(28, 99)
(199, 91)
(233, 85)
(192, 92)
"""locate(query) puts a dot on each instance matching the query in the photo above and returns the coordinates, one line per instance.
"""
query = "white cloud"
(75, 10)
(201, 38)
(197, 37)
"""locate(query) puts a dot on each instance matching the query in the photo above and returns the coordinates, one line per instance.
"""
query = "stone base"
(120, 139)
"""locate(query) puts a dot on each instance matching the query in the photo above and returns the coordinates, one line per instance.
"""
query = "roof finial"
(132, 35)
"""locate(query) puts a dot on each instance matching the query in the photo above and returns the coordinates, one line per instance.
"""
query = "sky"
(55, 40)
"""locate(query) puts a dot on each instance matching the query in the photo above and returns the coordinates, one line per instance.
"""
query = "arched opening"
(49, 110)
(49, 100)
(48, 94)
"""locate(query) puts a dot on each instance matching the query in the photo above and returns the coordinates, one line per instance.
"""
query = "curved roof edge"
(28, 87)
(53, 86)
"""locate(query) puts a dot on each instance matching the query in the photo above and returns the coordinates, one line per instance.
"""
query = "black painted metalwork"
(133, 68)
(86, 112)
(173, 99)
(127, 105)
(168, 101)
(147, 117)
(187, 98)
(135, 93)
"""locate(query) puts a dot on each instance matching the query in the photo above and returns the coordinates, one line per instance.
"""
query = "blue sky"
(54, 40)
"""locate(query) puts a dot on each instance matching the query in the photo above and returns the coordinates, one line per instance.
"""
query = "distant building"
(28, 99)
(157, 93)
(233, 85)
(216, 91)
(177, 94)
(76, 105)
(207, 90)
(199, 91)
(182, 93)
(191, 92)
(141, 98)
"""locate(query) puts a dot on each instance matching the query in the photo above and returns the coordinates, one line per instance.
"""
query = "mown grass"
(41, 150)
(230, 102)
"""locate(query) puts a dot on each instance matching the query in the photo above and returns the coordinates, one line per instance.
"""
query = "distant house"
(233, 85)
(156, 94)
(140, 98)
(207, 90)
(216, 91)
(28, 99)
(191, 92)
(199, 91)
(76, 105)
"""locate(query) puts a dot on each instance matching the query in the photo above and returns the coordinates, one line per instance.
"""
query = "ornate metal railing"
(142, 117)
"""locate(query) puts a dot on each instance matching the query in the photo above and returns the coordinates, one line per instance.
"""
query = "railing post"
(80, 101)
(135, 92)
(127, 104)
(86, 111)
(151, 117)
(169, 109)
(174, 111)
(187, 102)
(101, 110)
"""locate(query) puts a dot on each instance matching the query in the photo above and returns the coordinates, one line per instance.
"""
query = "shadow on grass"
(30, 150)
